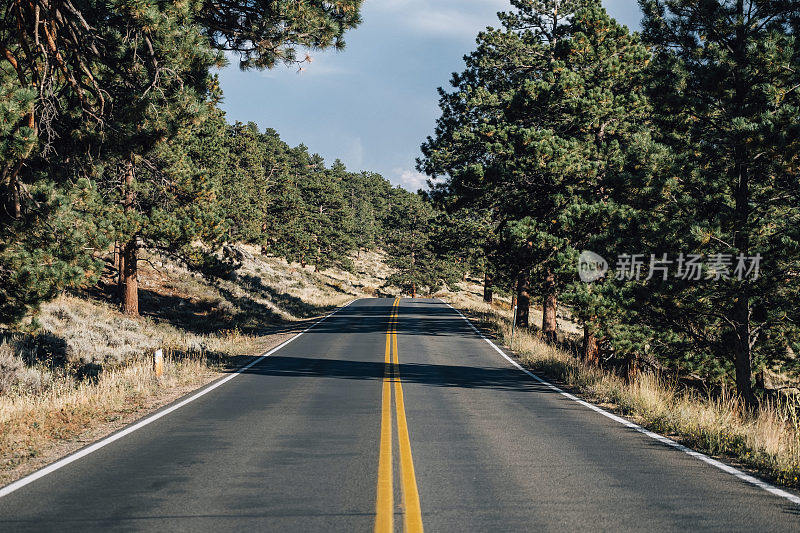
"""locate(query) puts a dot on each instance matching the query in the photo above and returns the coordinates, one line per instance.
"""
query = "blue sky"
(373, 104)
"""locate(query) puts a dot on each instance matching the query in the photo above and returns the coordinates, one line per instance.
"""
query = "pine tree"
(108, 83)
(499, 141)
(595, 94)
(245, 183)
(152, 189)
(366, 195)
(48, 233)
(330, 219)
(268, 32)
(470, 147)
(409, 246)
(286, 224)
(45, 249)
(726, 91)
(17, 140)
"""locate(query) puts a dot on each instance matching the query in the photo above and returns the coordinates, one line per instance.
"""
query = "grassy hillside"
(81, 369)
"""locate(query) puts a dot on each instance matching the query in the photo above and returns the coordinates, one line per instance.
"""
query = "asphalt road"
(467, 442)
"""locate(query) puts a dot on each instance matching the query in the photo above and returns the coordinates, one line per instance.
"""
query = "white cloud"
(450, 23)
(410, 179)
(320, 66)
(462, 18)
(465, 18)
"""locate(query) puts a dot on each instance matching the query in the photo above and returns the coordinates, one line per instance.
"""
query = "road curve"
(298, 442)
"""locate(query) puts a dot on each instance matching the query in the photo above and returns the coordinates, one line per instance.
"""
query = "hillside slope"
(81, 369)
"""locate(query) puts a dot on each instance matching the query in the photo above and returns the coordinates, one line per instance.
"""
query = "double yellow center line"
(412, 515)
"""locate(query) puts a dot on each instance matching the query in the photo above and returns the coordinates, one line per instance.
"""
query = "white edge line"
(8, 489)
(660, 438)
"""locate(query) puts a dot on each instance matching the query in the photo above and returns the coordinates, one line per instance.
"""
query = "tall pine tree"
(726, 90)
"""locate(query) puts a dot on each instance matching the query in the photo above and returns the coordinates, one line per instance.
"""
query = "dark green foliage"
(286, 200)
(254, 162)
(330, 221)
(266, 32)
(368, 195)
(537, 128)
(725, 84)
(119, 94)
(52, 246)
(17, 137)
(410, 245)
(568, 134)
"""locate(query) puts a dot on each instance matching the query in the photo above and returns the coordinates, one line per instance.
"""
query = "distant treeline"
(290, 203)
(674, 154)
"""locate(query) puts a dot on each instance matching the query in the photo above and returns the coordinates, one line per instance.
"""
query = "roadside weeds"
(766, 442)
(37, 429)
(85, 370)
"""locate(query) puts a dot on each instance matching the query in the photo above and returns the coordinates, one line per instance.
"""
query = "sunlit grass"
(767, 440)
(86, 364)
(29, 421)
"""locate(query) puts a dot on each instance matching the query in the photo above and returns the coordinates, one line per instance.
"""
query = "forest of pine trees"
(565, 132)
(113, 141)
(112, 138)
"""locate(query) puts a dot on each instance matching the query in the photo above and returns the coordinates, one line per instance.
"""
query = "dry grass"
(30, 422)
(263, 292)
(86, 368)
(767, 441)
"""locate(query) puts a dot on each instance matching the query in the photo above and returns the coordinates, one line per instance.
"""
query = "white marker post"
(513, 322)
(158, 362)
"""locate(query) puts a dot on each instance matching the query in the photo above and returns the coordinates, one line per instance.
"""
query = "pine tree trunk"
(17, 201)
(13, 189)
(130, 302)
(120, 273)
(549, 305)
(741, 351)
(591, 354)
(118, 267)
(13, 178)
(413, 290)
(128, 280)
(741, 240)
(487, 287)
(631, 368)
(523, 300)
(761, 380)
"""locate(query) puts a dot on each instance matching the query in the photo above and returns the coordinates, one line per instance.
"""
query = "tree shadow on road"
(461, 376)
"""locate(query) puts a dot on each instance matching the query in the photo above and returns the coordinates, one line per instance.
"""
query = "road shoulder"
(135, 408)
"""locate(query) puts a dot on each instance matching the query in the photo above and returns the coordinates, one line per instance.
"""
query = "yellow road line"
(384, 516)
(412, 513)
(412, 517)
